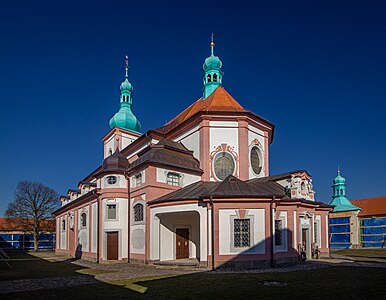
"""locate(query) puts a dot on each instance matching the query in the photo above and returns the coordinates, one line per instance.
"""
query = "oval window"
(224, 165)
(112, 180)
(256, 160)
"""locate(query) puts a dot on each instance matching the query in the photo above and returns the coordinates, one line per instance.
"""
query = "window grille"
(173, 179)
(83, 220)
(138, 212)
(224, 165)
(256, 160)
(138, 179)
(242, 232)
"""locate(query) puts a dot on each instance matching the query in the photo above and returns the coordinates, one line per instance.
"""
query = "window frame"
(111, 177)
(260, 157)
(170, 178)
(235, 249)
(116, 211)
(217, 157)
(137, 204)
(83, 220)
(283, 217)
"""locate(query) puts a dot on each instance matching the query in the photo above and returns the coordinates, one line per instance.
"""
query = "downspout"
(273, 265)
(128, 216)
(212, 227)
(98, 228)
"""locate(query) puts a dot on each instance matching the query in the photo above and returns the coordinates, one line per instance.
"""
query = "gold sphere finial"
(212, 40)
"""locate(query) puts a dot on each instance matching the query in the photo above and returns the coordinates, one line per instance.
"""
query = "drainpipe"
(128, 216)
(273, 265)
(212, 227)
(98, 228)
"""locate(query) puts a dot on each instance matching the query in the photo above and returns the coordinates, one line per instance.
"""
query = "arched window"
(303, 188)
(341, 191)
(215, 77)
(224, 165)
(209, 78)
(83, 220)
(63, 225)
(138, 212)
(173, 178)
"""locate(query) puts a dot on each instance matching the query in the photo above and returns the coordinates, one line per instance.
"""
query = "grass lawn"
(30, 266)
(375, 255)
(333, 282)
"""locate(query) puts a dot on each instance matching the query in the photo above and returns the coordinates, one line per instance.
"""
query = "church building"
(195, 190)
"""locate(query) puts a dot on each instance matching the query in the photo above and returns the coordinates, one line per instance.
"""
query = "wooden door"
(182, 243)
(112, 245)
(304, 240)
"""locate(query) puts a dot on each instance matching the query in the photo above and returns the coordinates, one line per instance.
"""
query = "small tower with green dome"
(125, 118)
(212, 71)
(339, 199)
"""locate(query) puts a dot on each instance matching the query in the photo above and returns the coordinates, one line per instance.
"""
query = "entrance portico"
(178, 232)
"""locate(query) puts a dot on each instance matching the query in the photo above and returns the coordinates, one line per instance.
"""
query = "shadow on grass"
(335, 281)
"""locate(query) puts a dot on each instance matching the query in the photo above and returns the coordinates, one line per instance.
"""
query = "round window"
(224, 165)
(256, 160)
(112, 180)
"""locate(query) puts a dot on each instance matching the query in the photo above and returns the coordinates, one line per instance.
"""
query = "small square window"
(111, 211)
(138, 179)
(173, 179)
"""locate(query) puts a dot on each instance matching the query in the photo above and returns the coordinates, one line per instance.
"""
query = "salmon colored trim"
(204, 149)
(147, 234)
(266, 154)
(243, 150)
(172, 203)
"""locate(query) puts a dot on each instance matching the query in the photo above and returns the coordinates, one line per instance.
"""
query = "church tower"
(125, 118)
(125, 127)
(339, 199)
(212, 71)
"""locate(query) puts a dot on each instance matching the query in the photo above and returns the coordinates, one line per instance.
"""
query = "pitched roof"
(230, 187)
(371, 206)
(219, 100)
(168, 153)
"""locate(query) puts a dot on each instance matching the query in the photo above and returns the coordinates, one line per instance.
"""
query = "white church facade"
(196, 189)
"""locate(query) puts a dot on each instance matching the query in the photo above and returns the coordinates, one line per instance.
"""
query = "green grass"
(333, 282)
(28, 266)
(370, 255)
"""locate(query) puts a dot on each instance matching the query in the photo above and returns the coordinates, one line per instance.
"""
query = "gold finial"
(338, 170)
(127, 65)
(212, 40)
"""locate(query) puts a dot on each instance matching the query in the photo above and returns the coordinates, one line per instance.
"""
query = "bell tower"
(212, 71)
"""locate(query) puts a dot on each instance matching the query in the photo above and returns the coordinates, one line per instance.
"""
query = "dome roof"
(115, 162)
(212, 62)
(125, 119)
(339, 179)
(126, 86)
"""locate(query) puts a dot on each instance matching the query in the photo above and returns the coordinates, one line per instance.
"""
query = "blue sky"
(316, 69)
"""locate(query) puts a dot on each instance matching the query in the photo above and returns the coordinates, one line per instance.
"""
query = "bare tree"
(34, 203)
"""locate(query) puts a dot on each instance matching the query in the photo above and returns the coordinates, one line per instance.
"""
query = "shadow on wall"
(268, 253)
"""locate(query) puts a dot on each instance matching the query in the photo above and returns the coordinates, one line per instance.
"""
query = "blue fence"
(373, 232)
(26, 241)
(340, 233)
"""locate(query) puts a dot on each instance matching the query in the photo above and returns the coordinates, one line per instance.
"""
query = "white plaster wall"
(109, 144)
(283, 215)
(121, 182)
(191, 140)
(63, 233)
(83, 233)
(158, 230)
(120, 225)
(94, 229)
(186, 179)
(258, 231)
(127, 139)
(57, 236)
(169, 223)
(254, 133)
(138, 230)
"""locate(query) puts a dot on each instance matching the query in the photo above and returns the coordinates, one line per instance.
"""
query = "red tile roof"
(371, 206)
(219, 100)
(11, 224)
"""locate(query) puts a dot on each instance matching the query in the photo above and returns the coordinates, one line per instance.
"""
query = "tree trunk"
(36, 245)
